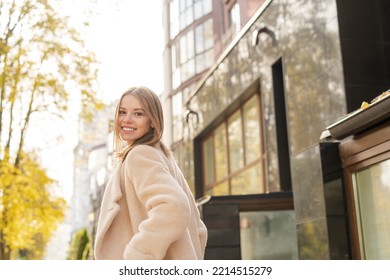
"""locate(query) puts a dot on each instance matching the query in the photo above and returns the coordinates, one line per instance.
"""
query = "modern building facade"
(252, 88)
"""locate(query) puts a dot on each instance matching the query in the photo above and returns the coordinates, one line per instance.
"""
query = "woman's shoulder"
(143, 150)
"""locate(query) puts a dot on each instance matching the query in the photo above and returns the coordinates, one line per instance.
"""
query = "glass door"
(371, 188)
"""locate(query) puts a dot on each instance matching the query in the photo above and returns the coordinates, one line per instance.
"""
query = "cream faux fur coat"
(148, 211)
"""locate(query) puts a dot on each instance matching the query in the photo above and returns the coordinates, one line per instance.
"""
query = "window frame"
(185, 14)
(356, 155)
(260, 161)
(185, 57)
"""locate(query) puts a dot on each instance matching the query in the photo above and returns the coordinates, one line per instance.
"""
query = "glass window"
(237, 163)
(174, 18)
(183, 5)
(268, 235)
(191, 68)
(208, 34)
(194, 49)
(234, 17)
(221, 162)
(177, 108)
(187, 60)
(207, 6)
(372, 192)
(247, 182)
(193, 53)
(219, 189)
(174, 57)
(188, 3)
(201, 62)
(204, 45)
(184, 12)
(198, 9)
(209, 57)
(189, 15)
(208, 159)
(204, 36)
(199, 38)
(187, 91)
(176, 75)
(204, 60)
(183, 49)
(190, 44)
(201, 7)
(252, 136)
(236, 149)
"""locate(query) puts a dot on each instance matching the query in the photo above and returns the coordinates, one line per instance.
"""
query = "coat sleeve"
(167, 205)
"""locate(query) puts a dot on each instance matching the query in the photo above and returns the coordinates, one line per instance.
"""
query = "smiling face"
(133, 122)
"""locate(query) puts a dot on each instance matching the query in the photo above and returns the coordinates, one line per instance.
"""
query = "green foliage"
(79, 246)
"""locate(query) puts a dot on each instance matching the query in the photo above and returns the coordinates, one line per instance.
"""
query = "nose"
(128, 118)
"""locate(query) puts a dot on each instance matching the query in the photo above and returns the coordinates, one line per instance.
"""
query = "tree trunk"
(4, 249)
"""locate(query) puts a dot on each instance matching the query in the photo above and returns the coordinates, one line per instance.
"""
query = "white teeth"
(128, 128)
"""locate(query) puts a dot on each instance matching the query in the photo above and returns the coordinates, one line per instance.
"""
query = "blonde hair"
(153, 110)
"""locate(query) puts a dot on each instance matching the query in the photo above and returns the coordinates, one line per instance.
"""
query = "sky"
(127, 38)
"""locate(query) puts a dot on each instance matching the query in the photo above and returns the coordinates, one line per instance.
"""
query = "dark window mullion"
(243, 134)
(228, 154)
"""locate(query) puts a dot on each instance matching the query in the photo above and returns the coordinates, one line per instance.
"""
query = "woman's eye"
(138, 114)
(122, 112)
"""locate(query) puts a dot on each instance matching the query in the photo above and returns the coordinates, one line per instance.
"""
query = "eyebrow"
(136, 109)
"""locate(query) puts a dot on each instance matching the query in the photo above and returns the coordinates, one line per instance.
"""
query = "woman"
(148, 210)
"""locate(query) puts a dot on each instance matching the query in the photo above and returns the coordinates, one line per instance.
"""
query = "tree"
(43, 63)
(30, 209)
(79, 245)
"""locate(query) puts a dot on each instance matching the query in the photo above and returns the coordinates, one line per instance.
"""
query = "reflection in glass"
(176, 78)
(247, 182)
(204, 41)
(221, 158)
(201, 7)
(219, 189)
(268, 235)
(236, 149)
(373, 207)
(187, 55)
(252, 130)
(237, 162)
(208, 156)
